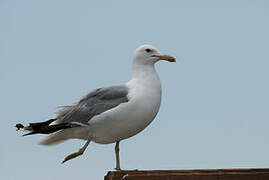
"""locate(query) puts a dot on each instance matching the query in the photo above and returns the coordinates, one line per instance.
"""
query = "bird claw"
(117, 169)
(72, 156)
(76, 154)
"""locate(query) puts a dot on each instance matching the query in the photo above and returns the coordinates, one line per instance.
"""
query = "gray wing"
(94, 103)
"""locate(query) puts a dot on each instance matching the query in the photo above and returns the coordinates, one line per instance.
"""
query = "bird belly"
(123, 121)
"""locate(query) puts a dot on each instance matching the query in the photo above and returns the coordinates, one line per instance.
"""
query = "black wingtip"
(30, 133)
(19, 126)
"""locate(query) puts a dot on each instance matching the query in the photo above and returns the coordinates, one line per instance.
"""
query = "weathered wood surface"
(203, 174)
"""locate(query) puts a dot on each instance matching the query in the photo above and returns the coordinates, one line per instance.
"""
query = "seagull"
(110, 114)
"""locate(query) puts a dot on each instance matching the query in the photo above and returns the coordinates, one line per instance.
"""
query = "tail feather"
(30, 133)
(39, 125)
(57, 132)
(63, 135)
(45, 127)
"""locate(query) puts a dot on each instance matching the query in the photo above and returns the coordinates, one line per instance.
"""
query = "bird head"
(148, 54)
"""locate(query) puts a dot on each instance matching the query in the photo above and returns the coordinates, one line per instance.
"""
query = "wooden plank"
(199, 174)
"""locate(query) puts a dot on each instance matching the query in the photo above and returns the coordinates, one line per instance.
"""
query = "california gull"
(110, 114)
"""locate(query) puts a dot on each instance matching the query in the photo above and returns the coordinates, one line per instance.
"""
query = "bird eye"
(148, 50)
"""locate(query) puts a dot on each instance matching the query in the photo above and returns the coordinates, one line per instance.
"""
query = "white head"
(149, 55)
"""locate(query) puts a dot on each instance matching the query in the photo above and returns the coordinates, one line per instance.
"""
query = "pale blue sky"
(215, 110)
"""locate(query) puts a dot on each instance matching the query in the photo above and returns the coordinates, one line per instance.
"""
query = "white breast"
(129, 118)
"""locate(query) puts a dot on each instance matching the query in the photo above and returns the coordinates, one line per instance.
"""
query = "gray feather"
(94, 103)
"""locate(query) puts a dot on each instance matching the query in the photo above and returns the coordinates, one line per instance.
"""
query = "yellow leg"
(117, 150)
(76, 154)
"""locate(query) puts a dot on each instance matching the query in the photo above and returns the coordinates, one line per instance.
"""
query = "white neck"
(142, 71)
(146, 76)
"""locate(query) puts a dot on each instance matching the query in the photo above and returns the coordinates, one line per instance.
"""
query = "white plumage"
(111, 114)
